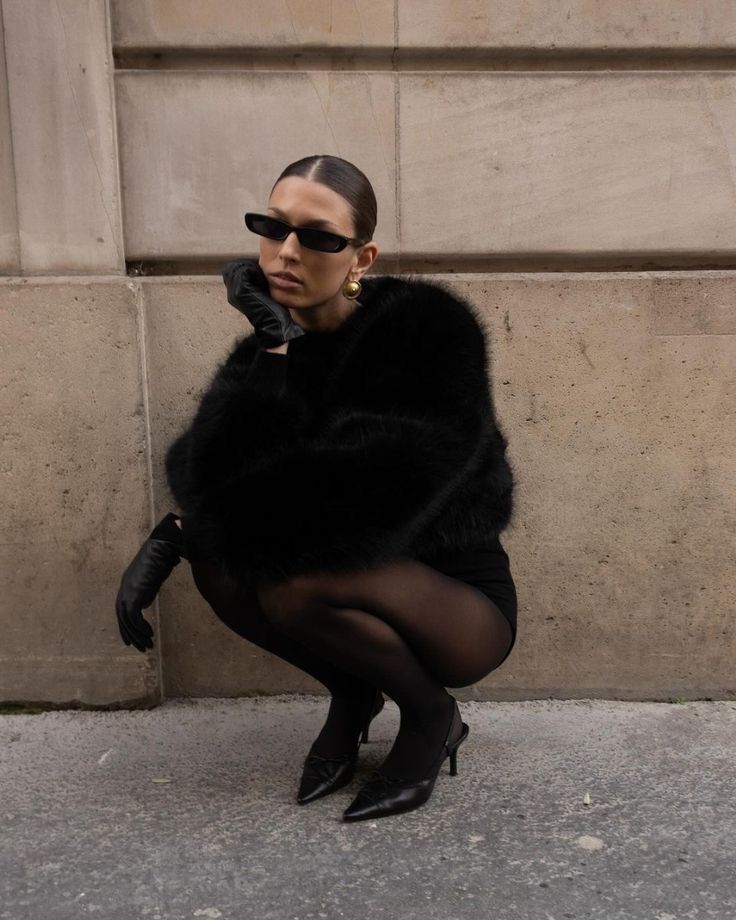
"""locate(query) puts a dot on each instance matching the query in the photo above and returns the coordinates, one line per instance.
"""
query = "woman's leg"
(405, 627)
(240, 611)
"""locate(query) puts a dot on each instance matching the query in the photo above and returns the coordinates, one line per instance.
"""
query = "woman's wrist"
(281, 349)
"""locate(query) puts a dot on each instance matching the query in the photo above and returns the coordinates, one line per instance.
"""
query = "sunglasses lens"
(266, 226)
(320, 240)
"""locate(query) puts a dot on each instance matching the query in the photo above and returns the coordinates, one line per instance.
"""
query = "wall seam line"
(120, 241)
(137, 288)
(18, 237)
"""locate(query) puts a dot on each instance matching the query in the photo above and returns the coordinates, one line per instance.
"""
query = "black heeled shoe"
(322, 775)
(383, 795)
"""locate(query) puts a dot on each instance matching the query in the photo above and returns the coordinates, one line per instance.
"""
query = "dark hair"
(347, 180)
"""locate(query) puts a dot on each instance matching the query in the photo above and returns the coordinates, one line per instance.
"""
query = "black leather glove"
(141, 581)
(248, 291)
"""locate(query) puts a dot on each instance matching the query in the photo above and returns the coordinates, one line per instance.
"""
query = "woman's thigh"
(233, 604)
(453, 628)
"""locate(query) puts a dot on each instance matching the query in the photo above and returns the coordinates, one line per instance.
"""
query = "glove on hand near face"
(248, 291)
(141, 581)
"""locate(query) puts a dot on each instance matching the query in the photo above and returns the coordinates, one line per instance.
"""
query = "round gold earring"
(351, 289)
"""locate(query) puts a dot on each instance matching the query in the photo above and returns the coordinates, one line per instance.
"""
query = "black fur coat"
(373, 441)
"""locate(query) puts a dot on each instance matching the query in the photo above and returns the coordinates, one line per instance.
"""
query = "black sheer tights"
(403, 627)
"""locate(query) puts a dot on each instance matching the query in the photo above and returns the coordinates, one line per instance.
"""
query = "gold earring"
(351, 289)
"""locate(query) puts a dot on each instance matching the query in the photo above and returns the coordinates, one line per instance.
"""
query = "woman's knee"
(485, 663)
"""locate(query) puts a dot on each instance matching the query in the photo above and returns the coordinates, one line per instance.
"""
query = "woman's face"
(303, 202)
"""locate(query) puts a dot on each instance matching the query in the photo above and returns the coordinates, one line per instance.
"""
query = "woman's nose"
(290, 243)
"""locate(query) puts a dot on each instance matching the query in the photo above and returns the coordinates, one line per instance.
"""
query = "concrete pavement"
(188, 811)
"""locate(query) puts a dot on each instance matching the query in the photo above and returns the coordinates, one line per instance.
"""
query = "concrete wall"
(570, 165)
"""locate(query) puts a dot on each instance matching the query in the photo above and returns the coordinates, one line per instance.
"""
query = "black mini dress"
(487, 568)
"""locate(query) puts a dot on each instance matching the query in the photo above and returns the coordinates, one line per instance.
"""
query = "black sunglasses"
(310, 237)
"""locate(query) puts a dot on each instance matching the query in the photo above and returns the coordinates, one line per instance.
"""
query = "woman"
(343, 485)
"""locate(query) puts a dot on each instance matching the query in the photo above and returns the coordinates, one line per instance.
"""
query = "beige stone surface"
(618, 398)
(616, 392)
(303, 24)
(544, 168)
(576, 24)
(588, 162)
(583, 24)
(75, 490)
(9, 242)
(63, 133)
(200, 149)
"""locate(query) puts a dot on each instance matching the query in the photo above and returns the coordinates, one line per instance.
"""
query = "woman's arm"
(245, 417)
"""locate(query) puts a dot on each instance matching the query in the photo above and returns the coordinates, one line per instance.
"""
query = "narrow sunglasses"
(310, 237)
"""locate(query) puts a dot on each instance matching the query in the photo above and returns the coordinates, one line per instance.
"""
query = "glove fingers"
(134, 638)
(138, 629)
(123, 633)
(232, 273)
(228, 270)
(253, 274)
(143, 633)
(120, 614)
(142, 644)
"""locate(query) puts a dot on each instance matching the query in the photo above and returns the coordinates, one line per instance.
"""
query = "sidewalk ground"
(188, 811)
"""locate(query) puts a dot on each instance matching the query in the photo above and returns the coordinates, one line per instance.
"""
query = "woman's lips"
(280, 281)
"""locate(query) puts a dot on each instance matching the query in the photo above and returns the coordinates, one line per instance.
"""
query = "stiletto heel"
(383, 795)
(454, 747)
(322, 775)
(375, 709)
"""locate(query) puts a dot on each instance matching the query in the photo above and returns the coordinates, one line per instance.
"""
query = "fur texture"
(381, 441)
